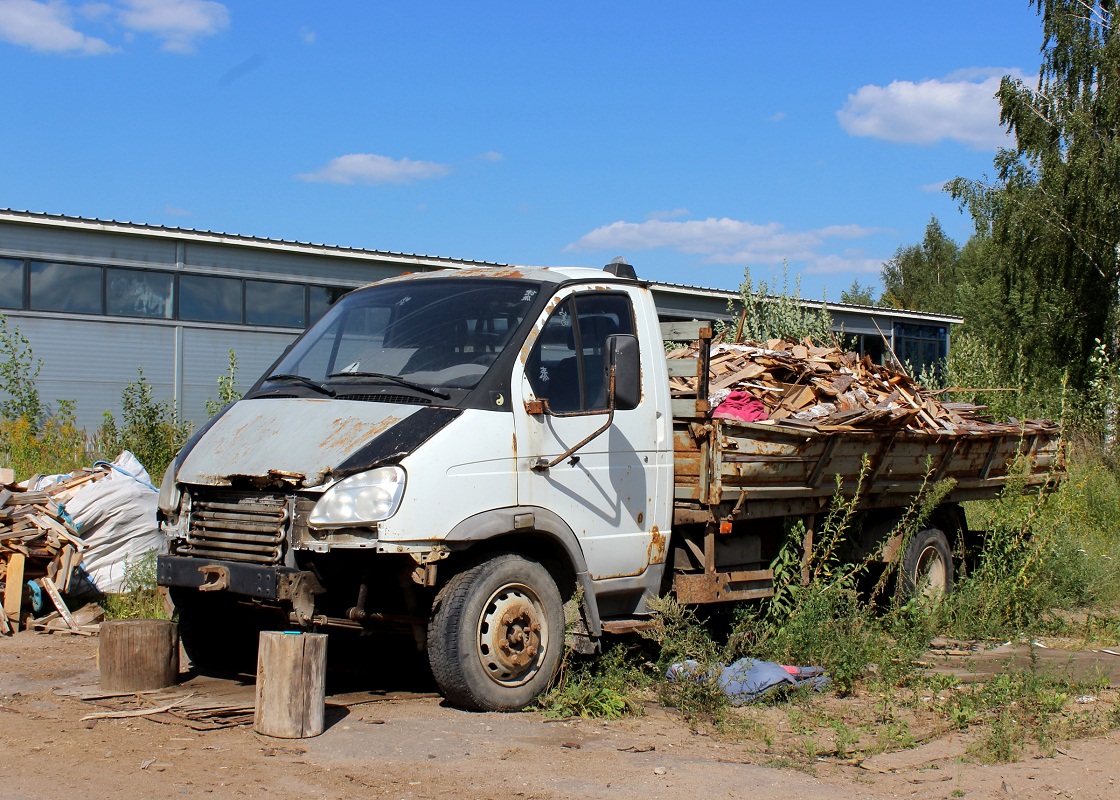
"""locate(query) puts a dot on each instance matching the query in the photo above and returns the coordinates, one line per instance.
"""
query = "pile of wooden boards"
(38, 542)
(826, 388)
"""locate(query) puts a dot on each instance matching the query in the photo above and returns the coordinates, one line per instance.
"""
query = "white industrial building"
(99, 299)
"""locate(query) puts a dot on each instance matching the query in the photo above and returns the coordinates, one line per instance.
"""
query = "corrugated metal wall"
(91, 361)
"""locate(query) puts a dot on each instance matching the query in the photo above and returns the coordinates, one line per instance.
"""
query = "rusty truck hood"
(287, 442)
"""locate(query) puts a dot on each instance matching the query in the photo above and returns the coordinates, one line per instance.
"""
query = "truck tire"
(496, 634)
(927, 565)
(218, 636)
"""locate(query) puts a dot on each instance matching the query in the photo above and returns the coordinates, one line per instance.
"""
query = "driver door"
(604, 490)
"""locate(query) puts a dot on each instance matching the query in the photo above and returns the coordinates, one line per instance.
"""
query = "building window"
(65, 287)
(320, 298)
(279, 304)
(133, 293)
(205, 299)
(923, 347)
(11, 283)
(867, 345)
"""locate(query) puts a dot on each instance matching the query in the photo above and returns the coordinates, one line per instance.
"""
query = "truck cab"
(478, 459)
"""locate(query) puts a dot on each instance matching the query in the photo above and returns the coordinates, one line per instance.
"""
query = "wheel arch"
(530, 531)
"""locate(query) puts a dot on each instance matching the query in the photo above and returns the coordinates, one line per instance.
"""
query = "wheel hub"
(522, 636)
(510, 636)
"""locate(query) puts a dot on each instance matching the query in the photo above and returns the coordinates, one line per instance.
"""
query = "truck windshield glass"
(437, 332)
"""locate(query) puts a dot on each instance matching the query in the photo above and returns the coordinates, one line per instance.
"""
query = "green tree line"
(1038, 282)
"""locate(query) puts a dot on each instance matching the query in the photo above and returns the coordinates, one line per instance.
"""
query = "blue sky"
(695, 139)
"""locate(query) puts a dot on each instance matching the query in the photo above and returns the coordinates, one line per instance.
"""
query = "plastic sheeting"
(116, 516)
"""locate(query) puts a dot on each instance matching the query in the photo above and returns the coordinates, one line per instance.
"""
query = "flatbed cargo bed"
(728, 470)
(775, 469)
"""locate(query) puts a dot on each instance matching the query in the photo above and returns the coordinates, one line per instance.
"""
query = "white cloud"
(708, 236)
(934, 187)
(48, 25)
(46, 28)
(741, 243)
(776, 117)
(491, 155)
(960, 107)
(368, 168)
(307, 35)
(844, 264)
(720, 241)
(179, 23)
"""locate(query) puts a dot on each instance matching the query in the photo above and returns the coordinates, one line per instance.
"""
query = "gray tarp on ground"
(748, 678)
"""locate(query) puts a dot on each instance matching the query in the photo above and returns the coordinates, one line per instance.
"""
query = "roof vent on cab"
(620, 269)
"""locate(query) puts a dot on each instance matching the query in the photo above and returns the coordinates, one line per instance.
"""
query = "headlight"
(367, 497)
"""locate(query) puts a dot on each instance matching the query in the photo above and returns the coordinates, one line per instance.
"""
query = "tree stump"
(135, 655)
(291, 684)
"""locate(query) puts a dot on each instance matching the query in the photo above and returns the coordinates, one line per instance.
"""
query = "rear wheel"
(927, 565)
(496, 634)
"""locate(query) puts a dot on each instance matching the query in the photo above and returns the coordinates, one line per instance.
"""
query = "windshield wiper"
(310, 384)
(393, 378)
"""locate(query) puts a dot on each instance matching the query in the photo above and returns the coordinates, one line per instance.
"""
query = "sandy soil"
(408, 744)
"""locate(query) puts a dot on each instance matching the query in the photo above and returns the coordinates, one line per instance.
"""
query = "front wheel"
(927, 565)
(218, 634)
(496, 634)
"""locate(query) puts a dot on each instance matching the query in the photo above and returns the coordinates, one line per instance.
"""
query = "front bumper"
(247, 579)
(283, 584)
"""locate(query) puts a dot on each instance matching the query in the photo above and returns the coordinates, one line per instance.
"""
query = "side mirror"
(623, 356)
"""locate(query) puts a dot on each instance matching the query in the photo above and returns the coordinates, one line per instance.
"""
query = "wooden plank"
(66, 565)
(684, 407)
(59, 603)
(13, 586)
(5, 626)
(683, 331)
(750, 370)
(682, 367)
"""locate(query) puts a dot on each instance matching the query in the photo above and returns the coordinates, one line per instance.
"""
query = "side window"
(568, 365)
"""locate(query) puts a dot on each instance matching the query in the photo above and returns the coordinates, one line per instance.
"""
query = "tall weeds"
(54, 444)
(148, 427)
(1043, 558)
(36, 439)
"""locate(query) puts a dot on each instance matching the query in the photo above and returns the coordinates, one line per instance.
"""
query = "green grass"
(140, 597)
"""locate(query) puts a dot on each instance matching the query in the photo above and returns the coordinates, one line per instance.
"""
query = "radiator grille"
(239, 526)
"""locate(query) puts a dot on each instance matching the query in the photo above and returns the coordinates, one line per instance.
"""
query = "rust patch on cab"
(655, 553)
(490, 272)
(351, 434)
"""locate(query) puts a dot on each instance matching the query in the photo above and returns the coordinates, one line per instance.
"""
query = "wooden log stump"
(291, 684)
(135, 655)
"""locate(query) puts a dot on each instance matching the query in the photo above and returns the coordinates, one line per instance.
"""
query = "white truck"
(488, 464)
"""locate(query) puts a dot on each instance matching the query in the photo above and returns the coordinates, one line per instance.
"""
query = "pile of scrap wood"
(827, 389)
(39, 543)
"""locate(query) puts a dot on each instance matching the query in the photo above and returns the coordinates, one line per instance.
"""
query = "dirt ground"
(389, 742)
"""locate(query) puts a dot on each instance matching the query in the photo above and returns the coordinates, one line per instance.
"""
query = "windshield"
(433, 332)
